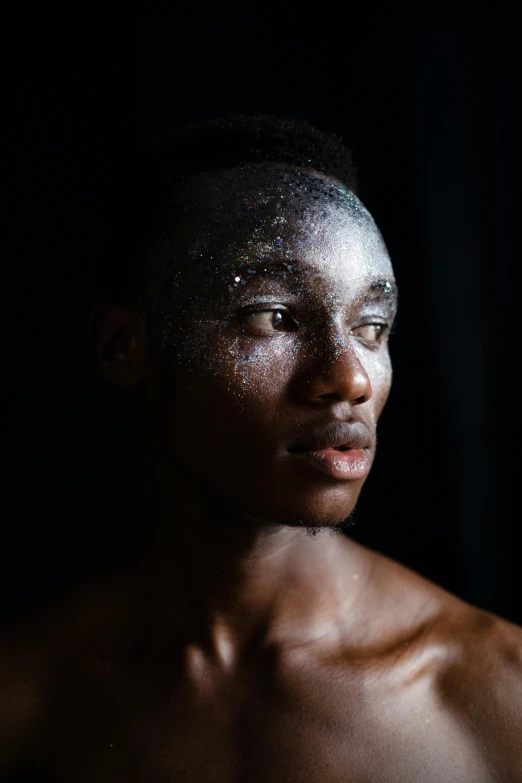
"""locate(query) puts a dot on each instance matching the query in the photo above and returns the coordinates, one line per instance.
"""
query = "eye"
(270, 320)
(370, 333)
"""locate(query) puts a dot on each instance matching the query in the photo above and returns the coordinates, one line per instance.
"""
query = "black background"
(429, 102)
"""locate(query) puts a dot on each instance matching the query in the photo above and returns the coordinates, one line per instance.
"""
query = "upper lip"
(333, 435)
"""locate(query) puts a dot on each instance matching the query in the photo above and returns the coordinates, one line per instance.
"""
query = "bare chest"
(311, 723)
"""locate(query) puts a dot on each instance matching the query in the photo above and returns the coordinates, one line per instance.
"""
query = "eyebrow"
(390, 290)
(293, 274)
(384, 286)
(274, 268)
(289, 271)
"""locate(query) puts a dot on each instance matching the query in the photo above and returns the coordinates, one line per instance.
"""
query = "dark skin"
(250, 641)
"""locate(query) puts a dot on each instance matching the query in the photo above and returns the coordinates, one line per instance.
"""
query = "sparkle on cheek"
(289, 216)
(255, 371)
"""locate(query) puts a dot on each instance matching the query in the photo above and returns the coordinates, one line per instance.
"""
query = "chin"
(325, 507)
(331, 511)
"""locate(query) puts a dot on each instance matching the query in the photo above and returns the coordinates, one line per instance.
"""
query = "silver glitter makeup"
(240, 223)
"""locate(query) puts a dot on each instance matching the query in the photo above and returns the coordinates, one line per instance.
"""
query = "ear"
(119, 343)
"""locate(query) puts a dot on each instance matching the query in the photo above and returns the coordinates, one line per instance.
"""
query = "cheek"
(229, 400)
(254, 372)
(235, 371)
(248, 372)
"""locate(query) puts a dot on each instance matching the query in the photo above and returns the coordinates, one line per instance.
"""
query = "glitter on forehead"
(252, 220)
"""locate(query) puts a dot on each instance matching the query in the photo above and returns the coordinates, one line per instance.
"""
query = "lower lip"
(343, 465)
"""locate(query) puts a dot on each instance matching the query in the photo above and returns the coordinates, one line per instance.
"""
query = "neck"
(230, 584)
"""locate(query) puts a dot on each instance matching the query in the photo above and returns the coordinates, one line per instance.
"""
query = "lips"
(337, 435)
(338, 450)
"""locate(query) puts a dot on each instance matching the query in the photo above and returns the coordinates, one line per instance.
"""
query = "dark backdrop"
(430, 106)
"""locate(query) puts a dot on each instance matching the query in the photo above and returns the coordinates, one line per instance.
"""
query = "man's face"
(269, 318)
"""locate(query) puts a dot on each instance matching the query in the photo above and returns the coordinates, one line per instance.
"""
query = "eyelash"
(385, 327)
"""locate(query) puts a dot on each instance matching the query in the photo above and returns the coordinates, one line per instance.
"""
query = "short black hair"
(149, 189)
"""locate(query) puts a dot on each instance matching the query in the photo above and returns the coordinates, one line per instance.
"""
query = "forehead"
(248, 218)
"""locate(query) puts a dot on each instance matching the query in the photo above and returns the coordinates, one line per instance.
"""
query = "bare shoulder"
(482, 686)
(478, 678)
(39, 657)
(25, 687)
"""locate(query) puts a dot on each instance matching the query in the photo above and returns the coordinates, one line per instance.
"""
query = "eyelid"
(268, 304)
(374, 319)
(264, 307)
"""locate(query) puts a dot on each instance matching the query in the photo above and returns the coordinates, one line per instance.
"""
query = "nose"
(335, 372)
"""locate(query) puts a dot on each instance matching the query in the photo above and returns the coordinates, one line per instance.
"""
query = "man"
(249, 301)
